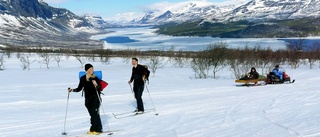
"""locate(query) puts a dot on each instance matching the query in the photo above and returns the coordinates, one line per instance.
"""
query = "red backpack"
(103, 84)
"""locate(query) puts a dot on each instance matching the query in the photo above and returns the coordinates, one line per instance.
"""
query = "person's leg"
(138, 95)
(93, 109)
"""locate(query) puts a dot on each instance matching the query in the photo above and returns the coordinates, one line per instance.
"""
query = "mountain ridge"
(252, 10)
(35, 23)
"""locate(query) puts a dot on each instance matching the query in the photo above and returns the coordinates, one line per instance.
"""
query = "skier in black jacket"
(90, 84)
(138, 76)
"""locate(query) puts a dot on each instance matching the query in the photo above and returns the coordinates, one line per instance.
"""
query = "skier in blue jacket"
(277, 72)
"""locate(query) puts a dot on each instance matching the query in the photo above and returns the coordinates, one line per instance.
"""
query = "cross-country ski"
(103, 133)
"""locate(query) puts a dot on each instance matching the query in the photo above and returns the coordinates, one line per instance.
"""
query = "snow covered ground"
(33, 103)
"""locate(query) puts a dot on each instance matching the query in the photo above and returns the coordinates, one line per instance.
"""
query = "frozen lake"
(144, 38)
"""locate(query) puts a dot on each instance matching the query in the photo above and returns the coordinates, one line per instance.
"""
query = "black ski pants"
(93, 105)
(138, 88)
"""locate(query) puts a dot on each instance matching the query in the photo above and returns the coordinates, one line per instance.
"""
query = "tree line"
(205, 64)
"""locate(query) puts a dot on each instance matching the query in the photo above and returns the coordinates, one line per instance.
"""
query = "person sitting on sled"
(253, 74)
(277, 72)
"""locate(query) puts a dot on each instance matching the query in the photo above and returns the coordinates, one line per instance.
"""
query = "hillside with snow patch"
(33, 23)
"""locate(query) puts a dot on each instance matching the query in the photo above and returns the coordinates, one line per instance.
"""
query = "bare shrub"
(91, 58)
(8, 53)
(312, 54)
(242, 60)
(18, 55)
(179, 59)
(58, 58)
(80, 59)
(235, 60)
(264, 60)
(46, 58)
(217, 54)
(105, 60)
(1, 61)
(201, 66)
(155, 63)
(294, 52)
(26, 61)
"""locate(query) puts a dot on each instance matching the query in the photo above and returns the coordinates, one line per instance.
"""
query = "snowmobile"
(274, 79)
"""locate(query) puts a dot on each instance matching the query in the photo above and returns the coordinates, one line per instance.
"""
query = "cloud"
(128, 16)
(231, 2)
(164, 6)
(55, 1)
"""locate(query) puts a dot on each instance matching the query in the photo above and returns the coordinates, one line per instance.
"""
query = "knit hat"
(87, 66)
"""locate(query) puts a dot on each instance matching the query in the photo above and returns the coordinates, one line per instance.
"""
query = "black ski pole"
(102, 109)
(151, 100)
(65, 119)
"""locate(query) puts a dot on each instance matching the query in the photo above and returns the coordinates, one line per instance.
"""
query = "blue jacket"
(278, 73)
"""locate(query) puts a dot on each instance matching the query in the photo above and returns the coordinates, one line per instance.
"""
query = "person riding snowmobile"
(277, 72)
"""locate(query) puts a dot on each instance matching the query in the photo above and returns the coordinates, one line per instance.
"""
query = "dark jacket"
(254, 75)
(89, 90)
(137, 73)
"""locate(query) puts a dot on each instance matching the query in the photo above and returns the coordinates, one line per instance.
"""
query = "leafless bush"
(295, 52)
(217, 54)
(236, 60)
(67, 55)
(26, 61)
(179, 59)
(91, 58)
(46, 58)
(201, 66)
(313, 54)
(58, 58)
(264, 60)
(105, 60)
(155, 63)
(18, 55)
(8, 53)
(126, 60)
(1, 61)
(242, 60)
(80, 59)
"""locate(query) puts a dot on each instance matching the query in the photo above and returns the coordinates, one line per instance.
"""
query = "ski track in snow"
(35, 107)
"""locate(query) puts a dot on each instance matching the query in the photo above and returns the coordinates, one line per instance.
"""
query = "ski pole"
(65, 119)
(132, 91)
(102, 108)
(152, 101)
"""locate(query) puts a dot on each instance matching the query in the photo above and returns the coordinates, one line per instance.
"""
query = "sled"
(249, 81)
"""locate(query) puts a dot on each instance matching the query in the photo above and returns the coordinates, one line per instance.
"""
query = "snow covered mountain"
(253, 10)
(275, 9)
(35, 23)
(182, 12)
